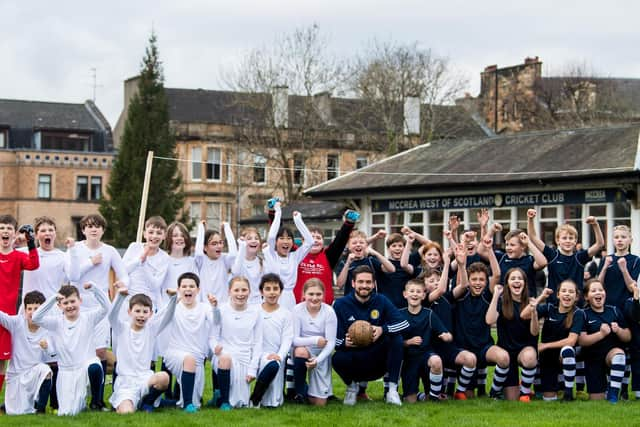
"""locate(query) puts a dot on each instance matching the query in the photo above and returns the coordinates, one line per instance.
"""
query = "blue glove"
(352, 216)
(271, 203)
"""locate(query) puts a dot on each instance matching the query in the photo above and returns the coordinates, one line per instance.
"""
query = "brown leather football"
(361, 333)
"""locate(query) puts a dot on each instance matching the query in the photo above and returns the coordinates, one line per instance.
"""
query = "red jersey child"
(12, 262)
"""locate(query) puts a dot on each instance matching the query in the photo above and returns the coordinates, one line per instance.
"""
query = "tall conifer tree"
(146, 129)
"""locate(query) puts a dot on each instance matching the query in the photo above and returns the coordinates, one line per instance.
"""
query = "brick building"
(519, 98)
(239, 149)
(55, 158)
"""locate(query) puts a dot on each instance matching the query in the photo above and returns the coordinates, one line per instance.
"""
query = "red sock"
(1, 381)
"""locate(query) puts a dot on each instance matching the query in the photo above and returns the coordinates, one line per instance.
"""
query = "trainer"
(384, 354)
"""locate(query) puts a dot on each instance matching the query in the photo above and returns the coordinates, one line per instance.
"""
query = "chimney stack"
(281, 106)
(412, 115)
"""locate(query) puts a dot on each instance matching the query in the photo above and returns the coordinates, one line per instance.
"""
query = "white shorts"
(102, 334)
(174, 359)
(132, 388)
(320, 384)
(274, 395)
(239, 391)
(72, 387)
(23, 388)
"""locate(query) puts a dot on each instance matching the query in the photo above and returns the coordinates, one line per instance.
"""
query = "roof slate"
(347, 114)
(515, 158)
(46, 115)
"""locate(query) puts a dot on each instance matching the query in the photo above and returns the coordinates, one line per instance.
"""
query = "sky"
(49, 49)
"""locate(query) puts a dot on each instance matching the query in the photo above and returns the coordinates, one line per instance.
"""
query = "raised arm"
(462, 279)
(493, 264)
(274, 227)
(307, 238)
(444, 277)
(608, 260)
(419, 237)
(164, 317)
(539, 260)
(344, 273)
(534, 324)
(103, 302)
(406, 252)
(231, 240)
(454, 225)
(380, 234)
(530, 309)
(114, 313)
(333, 252)
(198, 251)
(597, 231)
(483, 250)
(40, 316)
(492, 312)
(236, 268)
(531, 229)
(387, 266)
(628, 280)
(483, 220)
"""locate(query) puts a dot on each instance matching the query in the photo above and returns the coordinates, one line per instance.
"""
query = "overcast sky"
(48, 48)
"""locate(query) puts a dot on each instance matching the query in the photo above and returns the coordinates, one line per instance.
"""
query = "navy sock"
(151, 397)
(103, 363)
(43, 395)
(214, 380)
(269, 372)
(53, 399)
(224, 382)
(168, 392)
(188, 380)
(95, 379)
(263, 381)
(300, 375)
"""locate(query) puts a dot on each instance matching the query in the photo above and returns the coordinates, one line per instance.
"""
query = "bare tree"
(281, 129)
(579, 96)
(387, 73)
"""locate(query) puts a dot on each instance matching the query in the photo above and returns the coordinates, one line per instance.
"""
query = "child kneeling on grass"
(136, 384)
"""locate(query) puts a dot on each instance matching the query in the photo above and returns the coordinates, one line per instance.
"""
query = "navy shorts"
(413, 368)
(448, 353)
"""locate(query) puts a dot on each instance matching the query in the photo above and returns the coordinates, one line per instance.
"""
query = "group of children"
(263, 314)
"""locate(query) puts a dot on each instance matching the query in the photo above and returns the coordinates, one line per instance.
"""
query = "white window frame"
(196, 164)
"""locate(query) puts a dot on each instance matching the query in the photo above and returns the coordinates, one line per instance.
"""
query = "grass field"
(480, 412)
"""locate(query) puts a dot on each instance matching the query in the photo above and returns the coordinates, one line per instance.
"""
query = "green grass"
(480, 412)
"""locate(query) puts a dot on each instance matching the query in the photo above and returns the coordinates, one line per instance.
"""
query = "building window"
(361, 162)
(3, 138)
(333, 166)
(44, 186)
(96, 188)
(213, 164)
(196, 164)
(194, 212)
(298, 169)
(213, 216)
(259, 171)
(82, 188)
(64, 141)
